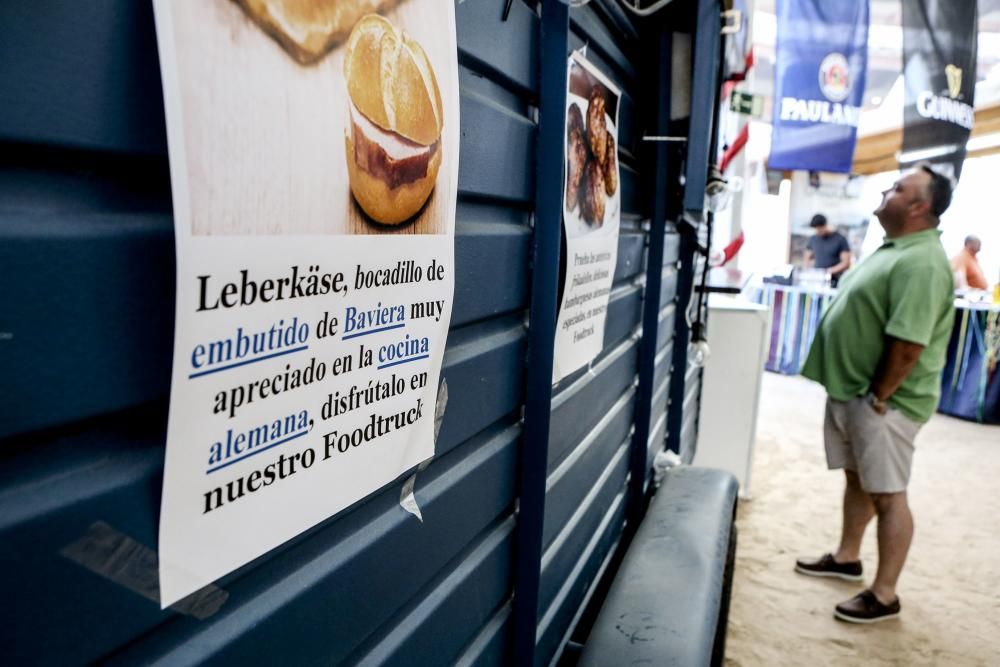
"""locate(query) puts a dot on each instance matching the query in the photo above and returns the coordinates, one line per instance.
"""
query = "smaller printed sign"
(591, 215)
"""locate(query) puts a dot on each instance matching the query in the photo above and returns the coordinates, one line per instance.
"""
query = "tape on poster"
(117, 557)
(407, 500)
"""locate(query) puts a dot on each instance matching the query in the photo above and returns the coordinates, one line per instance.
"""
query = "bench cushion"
(663, 606)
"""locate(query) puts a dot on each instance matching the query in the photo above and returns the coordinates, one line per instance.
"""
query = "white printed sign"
(591, 215)
(314, 165)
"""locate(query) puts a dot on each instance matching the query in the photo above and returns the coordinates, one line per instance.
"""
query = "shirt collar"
(908, 240)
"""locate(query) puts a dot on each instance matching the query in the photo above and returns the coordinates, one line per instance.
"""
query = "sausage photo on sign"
(591, 159)
(591, 213)
(611, 167)
(593, 194)
(576, 159)
(597, 129)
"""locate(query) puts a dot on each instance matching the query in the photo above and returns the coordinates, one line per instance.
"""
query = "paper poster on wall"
(314, 166)
(591, 216)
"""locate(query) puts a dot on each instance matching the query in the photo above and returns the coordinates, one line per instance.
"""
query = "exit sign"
(746, 103)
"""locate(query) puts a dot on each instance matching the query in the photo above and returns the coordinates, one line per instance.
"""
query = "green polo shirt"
(904, 290)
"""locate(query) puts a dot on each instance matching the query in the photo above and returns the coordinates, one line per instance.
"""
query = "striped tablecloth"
(970, 383)
(795, 315)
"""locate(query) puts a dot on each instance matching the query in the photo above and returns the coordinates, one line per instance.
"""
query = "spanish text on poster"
(314, 166)
(591, 215)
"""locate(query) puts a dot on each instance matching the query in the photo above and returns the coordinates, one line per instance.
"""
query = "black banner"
(939, 72)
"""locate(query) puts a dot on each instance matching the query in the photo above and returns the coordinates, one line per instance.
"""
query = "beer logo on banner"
(835, 84)
(954, 75)
(949, 109)
(834, 77)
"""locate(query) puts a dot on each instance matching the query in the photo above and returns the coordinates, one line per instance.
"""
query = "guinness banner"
(939, 70)
(822, 53)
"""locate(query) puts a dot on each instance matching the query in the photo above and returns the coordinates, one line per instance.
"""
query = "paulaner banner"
(822, 53)
(314, 169)
(939, 59)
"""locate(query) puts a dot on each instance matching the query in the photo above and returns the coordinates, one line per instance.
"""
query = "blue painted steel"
(631, 250)
(66, 97)
(704, 97)
(665, 331)
(593, 409)
(544, 288)
(578, 472)
(88, 254)
(654, 278)
(701, 142)
(86, 240)
(489, 51)
(573, 407)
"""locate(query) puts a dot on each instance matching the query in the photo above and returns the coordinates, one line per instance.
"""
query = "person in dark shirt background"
(827, 249)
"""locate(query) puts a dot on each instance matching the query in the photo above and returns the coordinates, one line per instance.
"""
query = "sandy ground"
(949, 590)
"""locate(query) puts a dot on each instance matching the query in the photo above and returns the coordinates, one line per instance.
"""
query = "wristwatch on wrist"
(878, 405)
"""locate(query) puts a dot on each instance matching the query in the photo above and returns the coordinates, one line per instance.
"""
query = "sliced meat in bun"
(393, 136)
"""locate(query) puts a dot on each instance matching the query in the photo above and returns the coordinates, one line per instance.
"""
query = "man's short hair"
(818, 220)
(938, 190)
(972, 238)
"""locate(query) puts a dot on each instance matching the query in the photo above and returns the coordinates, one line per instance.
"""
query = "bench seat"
(668, 603)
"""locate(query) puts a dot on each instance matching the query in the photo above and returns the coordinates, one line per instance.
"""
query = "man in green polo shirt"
(879, 352)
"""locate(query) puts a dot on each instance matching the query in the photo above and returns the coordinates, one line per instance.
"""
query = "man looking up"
(879, 352)
(966, 266)
(827, 249)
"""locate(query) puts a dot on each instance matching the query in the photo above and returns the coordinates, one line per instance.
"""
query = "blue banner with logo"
(819, 83)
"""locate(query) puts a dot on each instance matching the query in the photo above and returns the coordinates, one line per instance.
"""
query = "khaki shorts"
(879, 448)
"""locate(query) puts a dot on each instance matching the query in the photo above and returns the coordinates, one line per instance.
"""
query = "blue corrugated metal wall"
(593, 409)
(86, 258)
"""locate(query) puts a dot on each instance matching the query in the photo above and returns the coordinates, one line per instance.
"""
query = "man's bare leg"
(895, 533)
(858, 511)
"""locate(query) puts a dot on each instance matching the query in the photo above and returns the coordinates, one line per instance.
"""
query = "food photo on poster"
(591, 215)
(314, 167)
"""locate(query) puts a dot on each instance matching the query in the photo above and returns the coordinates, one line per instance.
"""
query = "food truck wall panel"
(593, 408)
(692, 378)
(663, 363)
(54, 91)
(693, 373)
(90, 244)
(86, 242)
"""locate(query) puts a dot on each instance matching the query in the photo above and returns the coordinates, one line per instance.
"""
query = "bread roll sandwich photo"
(394, 123)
